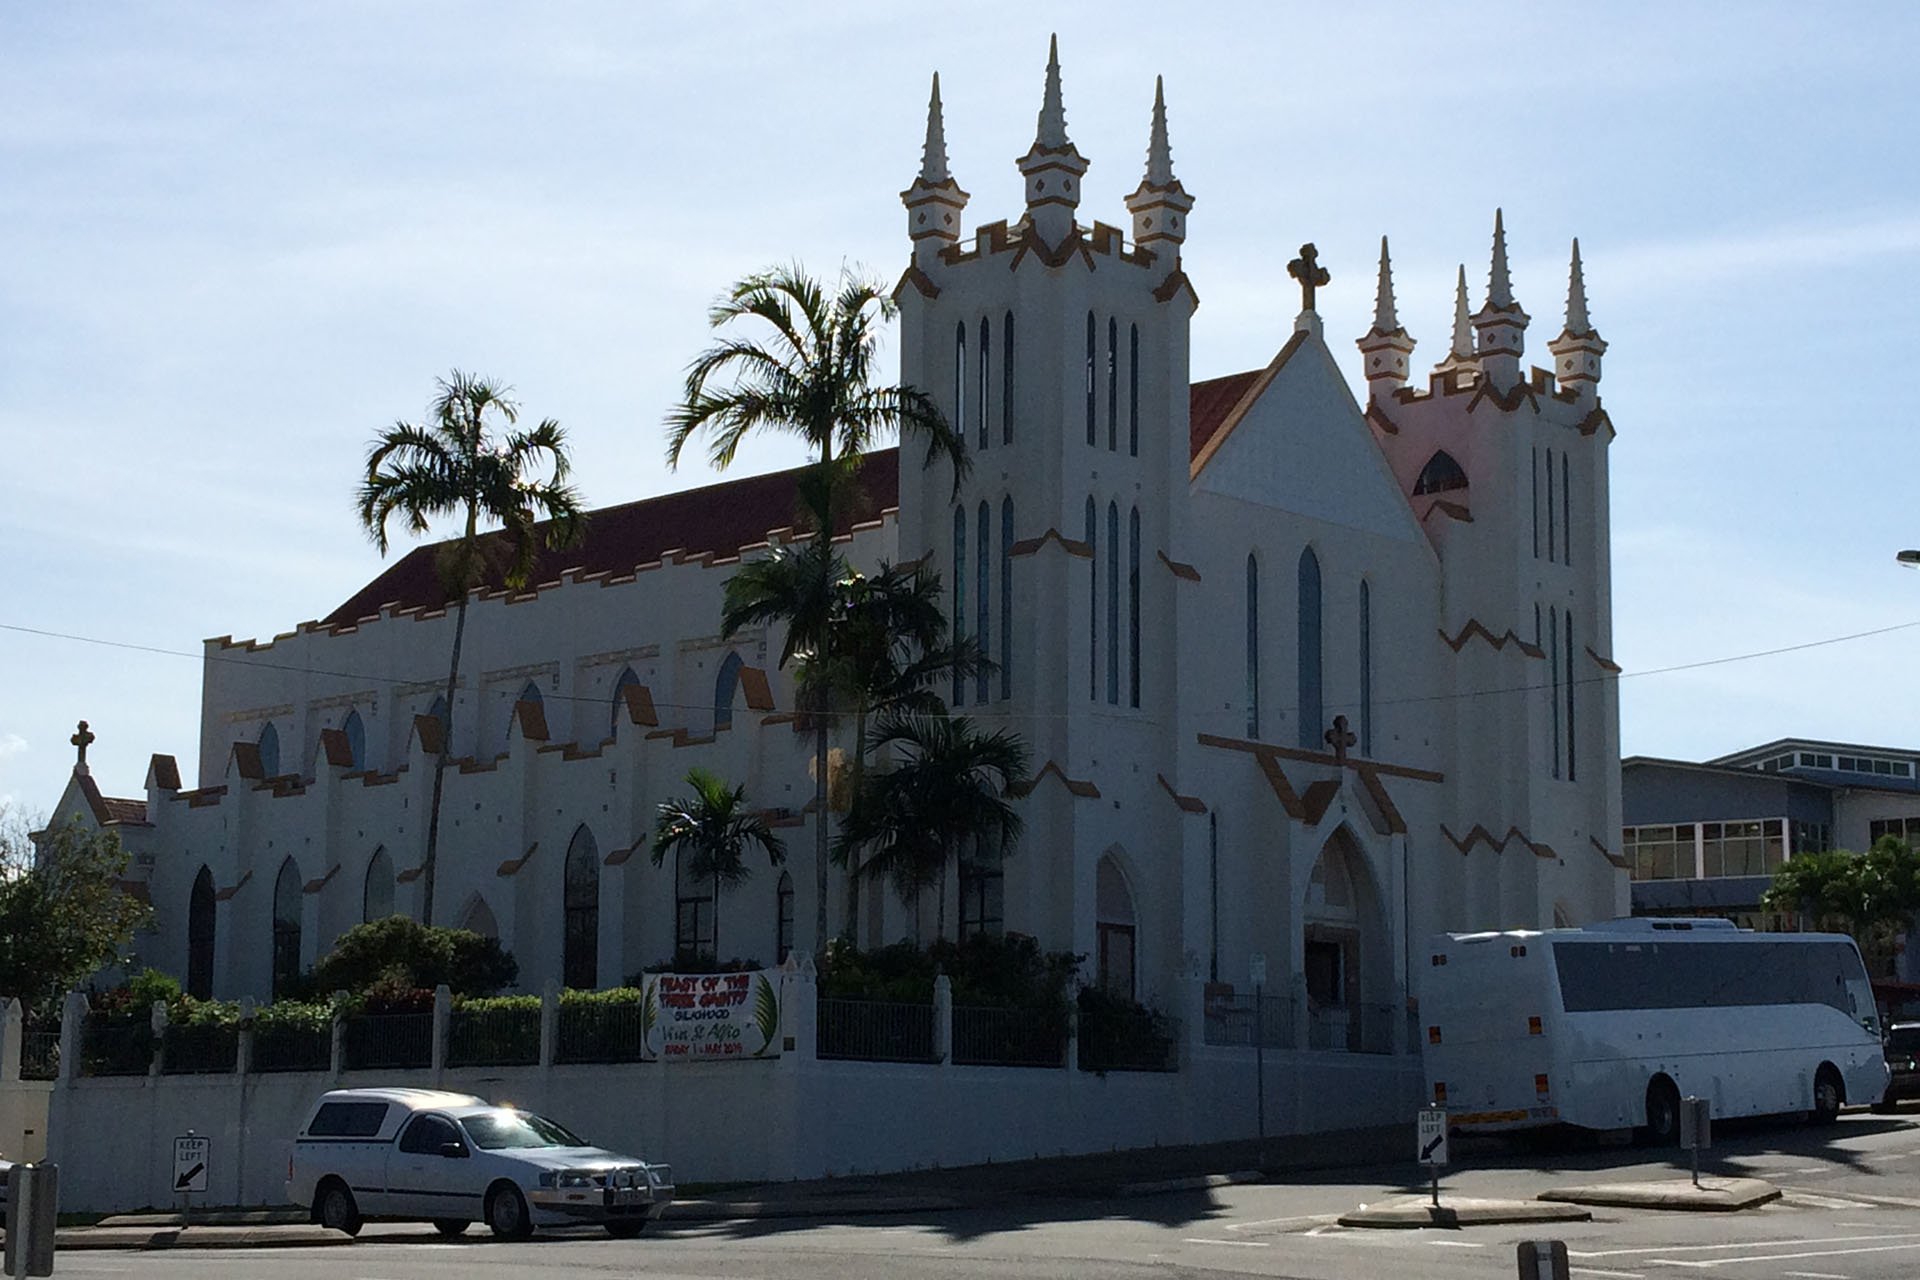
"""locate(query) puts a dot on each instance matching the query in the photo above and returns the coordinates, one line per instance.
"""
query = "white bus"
(1609, 1026)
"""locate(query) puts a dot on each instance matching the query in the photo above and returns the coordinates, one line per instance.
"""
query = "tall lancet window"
(1093, 416)
(983, 594)
(1253, 646)
(960, 379)
(1006, 597)
(1551, 553)
(1569, 648)
(1113, 384)
(1566, 512)
(1309, 651)
(269, 750)
(1536, 503)
(1113, 602)
(356, 739)
(1133, 392)
(1133, 608)
(1553, 660)
(1006, 379)
(1366, 669)
(959, 596)
(1093, 601)
(986, 385)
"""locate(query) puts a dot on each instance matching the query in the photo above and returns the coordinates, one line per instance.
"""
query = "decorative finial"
(1159, 154)
(933, 157)
(1052, 133)
(1308, 271)
(81, 739)
(1577, 321)
(1462, 326)
(1384, 318)
(1499, 287)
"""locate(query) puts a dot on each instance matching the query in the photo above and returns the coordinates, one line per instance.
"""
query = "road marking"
(1817, 1275)
(1239, 1244)
(1747, 1244)
(1275, 1222)
(1453, 1244)
(1613, 1275)
(1778, 1257)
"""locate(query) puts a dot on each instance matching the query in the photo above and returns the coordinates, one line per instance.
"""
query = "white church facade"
(1304, 678)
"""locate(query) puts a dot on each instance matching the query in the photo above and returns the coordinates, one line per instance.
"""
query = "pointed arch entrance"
(1115, 930)
(1345, 954)
(201, 924)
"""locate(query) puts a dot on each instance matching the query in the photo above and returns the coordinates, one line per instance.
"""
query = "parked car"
(1903, 1064)
(452, 1159)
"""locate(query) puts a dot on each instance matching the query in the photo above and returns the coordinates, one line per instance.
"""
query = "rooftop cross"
(1339, 737)
(1308, 271)
(80, 740)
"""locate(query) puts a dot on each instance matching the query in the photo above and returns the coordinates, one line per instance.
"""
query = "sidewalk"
(1108, 1175)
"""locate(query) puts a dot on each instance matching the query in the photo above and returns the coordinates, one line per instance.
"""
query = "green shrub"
(403, 953)
(629, 994)
(985, 971)
(494, 1004)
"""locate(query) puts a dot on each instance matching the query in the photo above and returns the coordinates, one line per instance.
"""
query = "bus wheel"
(1828, 1094)
(1663, 1113)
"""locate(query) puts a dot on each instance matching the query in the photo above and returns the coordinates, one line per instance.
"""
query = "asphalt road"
(1851, 1212)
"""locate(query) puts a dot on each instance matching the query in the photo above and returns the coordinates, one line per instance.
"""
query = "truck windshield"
(504, 1130)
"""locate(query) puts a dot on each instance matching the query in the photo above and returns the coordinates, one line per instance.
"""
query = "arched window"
(1253, 646)
(1092, 413)
(1113, 603)
(1133, 392)
(1439, 475)
(1569, 648)
(986, 384)
(376, 898)
(983, 891)
(982, 593)
(959, 596)
(580, 903)
(693, 920)
(1566, 511)
(1553, 661)
(1552, 554)
(530, 692)
(269, 750)
(1133, 608)
(356, 739)
(617, 711)
(286, 928)
(783, 919)
(1309, 651)
(1093, 598)
(1536, 502)
(1114, 929)
(1006, 597)
(201, 925)
(1113, 384)
(725, 682)
(1006, 380)
(960, 379)
(1366, 668)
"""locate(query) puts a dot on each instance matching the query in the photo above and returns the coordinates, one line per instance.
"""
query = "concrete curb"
(1198, 1182)
(1405, 1212)
(1713, 1195)
(78, 1239)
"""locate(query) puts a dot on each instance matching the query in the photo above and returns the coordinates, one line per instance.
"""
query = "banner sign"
(707, 1017)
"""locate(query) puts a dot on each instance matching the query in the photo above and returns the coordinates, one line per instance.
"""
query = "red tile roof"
(1208, 404)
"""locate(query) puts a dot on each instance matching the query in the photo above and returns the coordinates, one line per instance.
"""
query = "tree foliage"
(64, 914)
(401, 954)
(1872, 896)
(710, 831)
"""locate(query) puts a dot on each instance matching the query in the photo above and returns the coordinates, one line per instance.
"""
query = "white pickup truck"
(452, 1159)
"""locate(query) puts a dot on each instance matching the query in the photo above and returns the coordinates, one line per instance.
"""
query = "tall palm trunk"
(856, 774)
(430, 864)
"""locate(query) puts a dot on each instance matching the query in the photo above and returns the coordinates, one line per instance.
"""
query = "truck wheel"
(1828, 1094)
(1663, 1113)
(450, 1227)
(626, 1228)
(334, 1209)
(507, 1215)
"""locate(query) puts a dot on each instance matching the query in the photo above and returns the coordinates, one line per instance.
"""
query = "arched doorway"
(286, 928)
(201, 924)
(1344, 956)
(580, 958)
(377, 899)
(1114, 929)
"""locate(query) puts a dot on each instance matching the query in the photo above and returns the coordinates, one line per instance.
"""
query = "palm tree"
(947, 795)
(713, 830)
(810, 376)
(462, 464)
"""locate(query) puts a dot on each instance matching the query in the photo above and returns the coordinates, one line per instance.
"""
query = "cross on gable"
(80, 740)
(1340, 738)
(1307, 270)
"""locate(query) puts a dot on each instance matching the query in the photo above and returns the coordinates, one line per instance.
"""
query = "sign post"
(1431, 1145)
(191, 1155)
(1257, 973)
(1696, 1129)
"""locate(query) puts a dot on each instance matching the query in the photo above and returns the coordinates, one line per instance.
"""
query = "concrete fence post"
(73, 1018)
(442, 1024)
(243, 1043)
(1073, 1038)
(337, 1061)
(157, 1023)
(942, 1018)
(549, 1021)
(13, 1021)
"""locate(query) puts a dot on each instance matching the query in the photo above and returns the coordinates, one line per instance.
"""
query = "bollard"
(1543, 1259)
(33, 1207)
(1696, 1129)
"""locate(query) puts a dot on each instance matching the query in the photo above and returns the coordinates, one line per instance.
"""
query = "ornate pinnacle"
(1577, 321)
(1052, 133)
(1384, 318)
(1462, 327)
(1499, 286)
(1159, 154)
(933, 157)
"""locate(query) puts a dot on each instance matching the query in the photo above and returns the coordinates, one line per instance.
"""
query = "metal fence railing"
(40, 1055)
(292, 1047)
(388, 1041)
(1244, 1019)
(187, 1050)
(493, 1038)
(1009, 1037)
(875, 1031)
(600, 1033)
(119, 1046)
(1353, 1028)
(1128, 1040)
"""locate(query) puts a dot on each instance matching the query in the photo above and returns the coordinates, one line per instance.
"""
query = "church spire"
(934, 201)
(1052, 166)
(1386, 346)
(1159, 204)
(1577, 351)
(1501, 325)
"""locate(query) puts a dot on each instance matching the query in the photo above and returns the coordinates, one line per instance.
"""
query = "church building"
(1305, 678)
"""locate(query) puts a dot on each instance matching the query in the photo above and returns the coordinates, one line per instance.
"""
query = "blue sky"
(236, 240)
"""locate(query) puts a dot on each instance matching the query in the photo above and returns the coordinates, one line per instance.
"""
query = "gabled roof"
(1209, 403)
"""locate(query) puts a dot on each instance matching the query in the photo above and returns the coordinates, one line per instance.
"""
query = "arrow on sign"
(187, 1179)
(1431, 1147)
